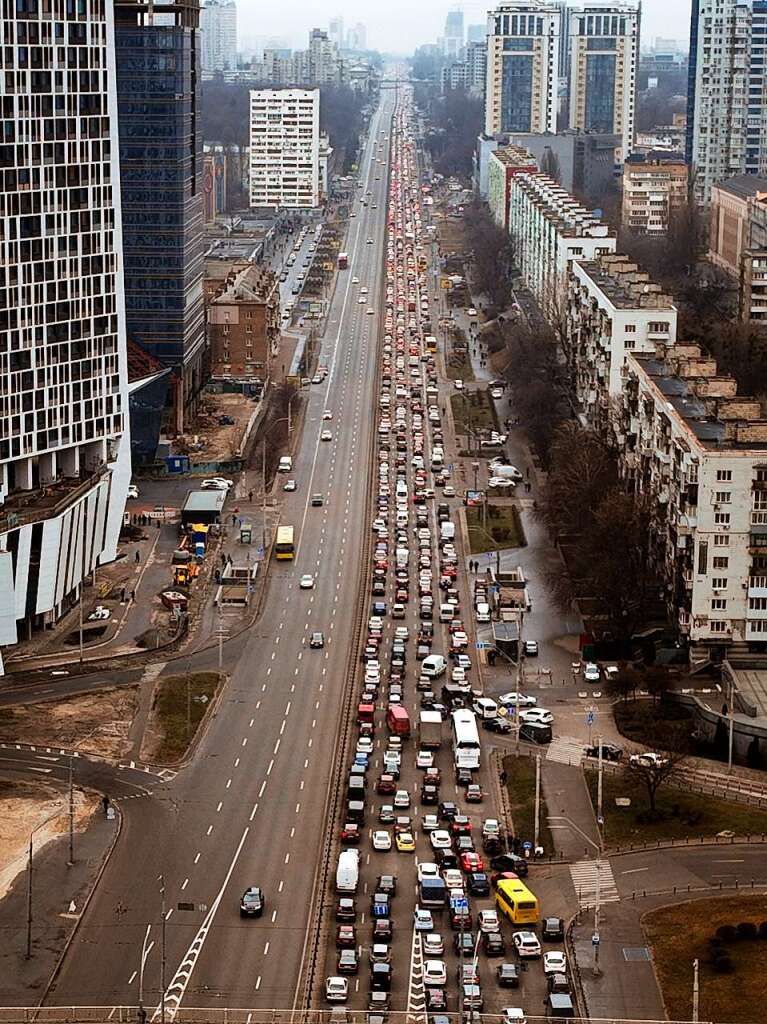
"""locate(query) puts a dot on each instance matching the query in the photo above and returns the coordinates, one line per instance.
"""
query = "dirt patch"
(93, 724)
(678, 935)
(179, 706)
(25, 807)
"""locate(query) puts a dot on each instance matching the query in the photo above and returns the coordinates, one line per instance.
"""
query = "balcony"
(757, 586)
(753, 630)
(687, 521)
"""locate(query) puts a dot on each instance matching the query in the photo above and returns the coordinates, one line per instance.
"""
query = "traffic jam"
(432, 914)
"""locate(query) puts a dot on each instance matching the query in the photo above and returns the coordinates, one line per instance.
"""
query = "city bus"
(465, 739)
(284, 546)
(515, 900)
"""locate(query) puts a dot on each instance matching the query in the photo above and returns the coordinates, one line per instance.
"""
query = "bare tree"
(653, 772)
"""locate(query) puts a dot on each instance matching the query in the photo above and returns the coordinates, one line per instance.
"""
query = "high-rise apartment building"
(218, 27)
(454, 33)
(522, 67)
(158, 95)
(64, 444)
(284, 148)
(654, 192)
(324, 58)
(604, 57)
(718, 114)
(756, 124)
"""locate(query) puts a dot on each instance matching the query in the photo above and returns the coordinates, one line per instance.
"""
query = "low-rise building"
(654, 191)
(243, 324)
(503, 165)
(549, 229)
(613, 310)
(732, 209)
(686, 436)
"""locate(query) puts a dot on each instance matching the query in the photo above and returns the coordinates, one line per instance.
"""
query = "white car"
(337, 990)
(501, 483)
(525, 700)
(327, 415)
(370, 312)
(381, 840)
(217, 483)
(289, 485)
(496, 393)
(365, 745)
(526, 944)
(458, 385)
(591, 672)
(427, 870)
(422, 920)
(458, 675)
(355, 280)
(99, 613)
(513, 1015)
(434, 973)
(361, 300)
(429, 822)
(488, 921)
(440, 839)
(132, 491)
(453, 878)
(539, 716)
(424, 759)
(554, 962)
(433, 944)
(648, 759)
(326, 435)
(306, 582)
(369, 241)
(471, 311)
(402, 798)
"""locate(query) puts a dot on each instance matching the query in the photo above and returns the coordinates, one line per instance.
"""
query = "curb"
(207, 718)
(70, 938)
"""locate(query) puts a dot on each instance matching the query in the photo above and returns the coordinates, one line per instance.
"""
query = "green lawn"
(180, 703)
(661, 725)
(503, 526)
(459, 367)
(520, 783)
(680, 934)
(680, 814)
(475, 410)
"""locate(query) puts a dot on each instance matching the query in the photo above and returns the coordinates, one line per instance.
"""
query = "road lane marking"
(253, 812)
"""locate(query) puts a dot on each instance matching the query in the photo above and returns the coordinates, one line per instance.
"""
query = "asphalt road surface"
(249, 809)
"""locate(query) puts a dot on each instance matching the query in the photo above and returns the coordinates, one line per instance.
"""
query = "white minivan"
(484, 707)
(446, 612)
(433, 666)
(286, 464)
(483, 611)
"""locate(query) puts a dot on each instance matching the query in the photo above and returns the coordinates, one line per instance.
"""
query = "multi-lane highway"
(249, 810)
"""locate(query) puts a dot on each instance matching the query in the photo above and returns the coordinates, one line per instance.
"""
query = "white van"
(483, 611)
(433, 666)
(446, 612)
(286, 464)
(446, 531)
(348, 871)
(484, 707)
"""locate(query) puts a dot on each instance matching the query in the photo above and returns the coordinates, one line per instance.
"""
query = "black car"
(447, 810)
(252, 902)
(387, 884)
(382, 929)
(465, 939)
(508, 975)
(497, 725)
(317, 501)
(463, 844)
(492, 943)
(463, 777)
(429, 795)
(478, 884)
(610, 751)
(510, 862)
(553, 929)
(558, 983)
(380, 977)
(446, 859)
(379, 904)
(345, 909)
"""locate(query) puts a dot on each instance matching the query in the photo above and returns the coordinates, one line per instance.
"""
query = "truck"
(446, 531)
(348, 871)
(343, 260)
(398, 721)
(430, 730)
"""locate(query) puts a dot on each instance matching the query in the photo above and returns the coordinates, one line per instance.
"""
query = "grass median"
(680, 934)
(520, 783)
(502, 526)
(679, 814)
(473, 412)
(179, 706)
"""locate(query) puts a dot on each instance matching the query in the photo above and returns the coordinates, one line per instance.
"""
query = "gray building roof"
(743, 185)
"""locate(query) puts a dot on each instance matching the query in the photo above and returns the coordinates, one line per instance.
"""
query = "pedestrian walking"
(250, 495)
(527, 472)
(105, 802)
(138, 556)
(122, 596)
(528, 486)
(234, 519)
(133, 595)
(504, 777)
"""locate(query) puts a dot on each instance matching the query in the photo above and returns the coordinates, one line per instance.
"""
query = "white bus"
(465, 739)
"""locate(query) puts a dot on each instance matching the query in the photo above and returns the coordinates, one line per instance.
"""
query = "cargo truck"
(430, 730)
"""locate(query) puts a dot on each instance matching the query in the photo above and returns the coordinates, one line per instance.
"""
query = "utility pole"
(537, 802)
(731, 717)
(600, 772)
(595, 937)
(80, 610)
(162, 950)
(263, 495)
(144, 955)
(71, 860)
(518, 675)
(29, 900)
(695, 990)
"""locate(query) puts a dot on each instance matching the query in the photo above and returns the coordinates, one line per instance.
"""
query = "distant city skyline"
(425, 22)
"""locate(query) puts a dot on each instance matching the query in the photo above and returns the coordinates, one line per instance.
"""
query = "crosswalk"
(584, 875)
(565, 750)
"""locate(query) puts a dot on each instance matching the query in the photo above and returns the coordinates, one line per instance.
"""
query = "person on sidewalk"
(250, 495)
(138, 556)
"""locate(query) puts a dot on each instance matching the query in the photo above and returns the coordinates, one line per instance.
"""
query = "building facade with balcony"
(64, 434)
(549, 230)
(503, 166)
(685, 435)
(244, 324)
(285, 148)
(654, 192)
(613, 310)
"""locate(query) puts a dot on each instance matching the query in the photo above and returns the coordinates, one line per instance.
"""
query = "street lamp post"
(695, 990)
(50, 817)
(144, 955)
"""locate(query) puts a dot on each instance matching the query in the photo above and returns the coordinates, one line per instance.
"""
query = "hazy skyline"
(398, 26)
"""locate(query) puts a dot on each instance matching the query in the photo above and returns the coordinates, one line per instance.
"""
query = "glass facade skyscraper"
(158, 83)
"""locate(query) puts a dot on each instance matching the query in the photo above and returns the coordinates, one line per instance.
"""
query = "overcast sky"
(399, 26)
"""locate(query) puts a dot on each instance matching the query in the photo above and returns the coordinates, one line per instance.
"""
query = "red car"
(460, 825)
(346, 936)
(386, 784)
(474, 794)
(471, 862)
(350, 833)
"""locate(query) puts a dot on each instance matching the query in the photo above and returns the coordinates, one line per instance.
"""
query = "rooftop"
(557, 205)
(623, 283)
(744, 185)
(515, 156)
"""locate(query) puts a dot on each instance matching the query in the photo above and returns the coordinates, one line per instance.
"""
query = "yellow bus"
(515, 900)
(284, 546)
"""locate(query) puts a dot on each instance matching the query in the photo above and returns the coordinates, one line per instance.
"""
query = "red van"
(365, 712)
(398, 720)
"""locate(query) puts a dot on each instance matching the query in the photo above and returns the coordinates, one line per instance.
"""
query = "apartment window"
(723, 497)
(724, 475)
(658, 327)
(718, 626)
(757, 604)
(719, 582)
(631, 328)
(722, 518)
(702, 557)
(718, 604)
(721, 540)
(721, 562)
(761, 475)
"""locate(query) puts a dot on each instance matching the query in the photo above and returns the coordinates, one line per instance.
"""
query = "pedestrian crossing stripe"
(565, 750)
(584, 878)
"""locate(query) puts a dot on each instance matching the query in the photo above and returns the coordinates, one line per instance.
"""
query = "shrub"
(727, 933)
(717, 946)
(763, 930)
(747, 930)
(723, 964)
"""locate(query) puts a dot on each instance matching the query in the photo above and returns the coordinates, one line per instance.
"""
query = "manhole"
(636, 953)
